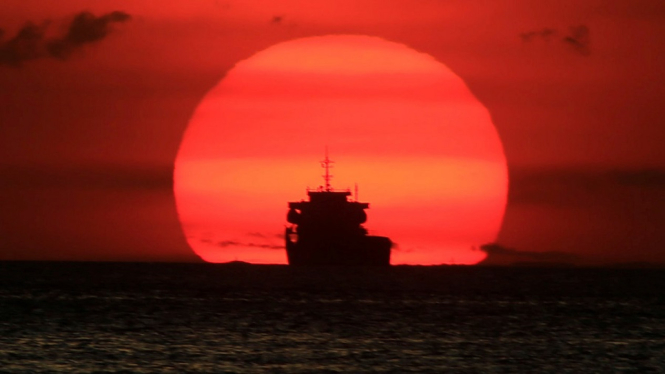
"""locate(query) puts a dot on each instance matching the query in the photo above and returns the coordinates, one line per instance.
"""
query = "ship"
(327, 230)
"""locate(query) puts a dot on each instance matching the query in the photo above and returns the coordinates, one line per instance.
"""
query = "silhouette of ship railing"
(327, 230)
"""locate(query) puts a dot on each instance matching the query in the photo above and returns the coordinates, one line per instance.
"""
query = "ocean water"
(174, 318)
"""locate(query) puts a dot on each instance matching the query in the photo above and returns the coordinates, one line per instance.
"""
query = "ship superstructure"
(327, 230)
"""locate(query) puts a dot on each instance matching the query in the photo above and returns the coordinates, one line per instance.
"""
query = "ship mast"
(327, 176)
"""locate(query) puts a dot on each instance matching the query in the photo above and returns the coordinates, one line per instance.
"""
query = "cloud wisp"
(562, 187)
(233, 243)
(578, 37)
(31, 41)
(500, 255)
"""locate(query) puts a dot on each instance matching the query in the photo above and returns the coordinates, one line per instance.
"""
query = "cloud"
(233, 243)
(649, 178)
(545, 34)
(500, 255)
(261, 235)
(574, 187)
(31, 43)
(28, 44)
(88, 177)
(577, 37)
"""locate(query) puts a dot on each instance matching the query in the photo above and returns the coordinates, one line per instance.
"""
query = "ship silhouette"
(327, 230)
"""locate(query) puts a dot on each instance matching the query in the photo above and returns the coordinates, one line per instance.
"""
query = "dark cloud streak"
(574, 187)
(28, 44)
(266, 235)
(233, 243)
(84, 29)
(578, 37)
(500, 255)
(545, 34)
(95, 177)
(31, 43)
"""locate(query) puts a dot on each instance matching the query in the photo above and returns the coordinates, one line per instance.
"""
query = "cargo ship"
(327, 230)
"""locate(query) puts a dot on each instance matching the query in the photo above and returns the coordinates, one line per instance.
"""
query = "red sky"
(574, 89)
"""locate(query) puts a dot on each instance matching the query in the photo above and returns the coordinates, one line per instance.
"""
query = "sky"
(94, 106)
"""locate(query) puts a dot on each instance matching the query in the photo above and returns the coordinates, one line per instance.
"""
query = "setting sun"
(399, 124)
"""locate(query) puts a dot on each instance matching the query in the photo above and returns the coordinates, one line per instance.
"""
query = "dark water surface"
(110, 317)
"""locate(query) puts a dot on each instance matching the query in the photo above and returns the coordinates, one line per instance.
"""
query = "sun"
(399, 124)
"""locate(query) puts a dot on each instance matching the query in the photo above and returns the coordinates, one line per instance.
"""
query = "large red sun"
(422, 149)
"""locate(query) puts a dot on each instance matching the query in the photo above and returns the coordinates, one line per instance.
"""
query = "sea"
(67, 317)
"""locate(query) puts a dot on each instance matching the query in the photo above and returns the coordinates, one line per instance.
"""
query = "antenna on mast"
(327, 176)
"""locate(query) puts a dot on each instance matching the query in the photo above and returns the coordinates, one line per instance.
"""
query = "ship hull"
(366, 251)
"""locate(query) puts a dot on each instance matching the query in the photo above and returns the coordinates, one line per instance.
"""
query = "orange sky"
(89, 143)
